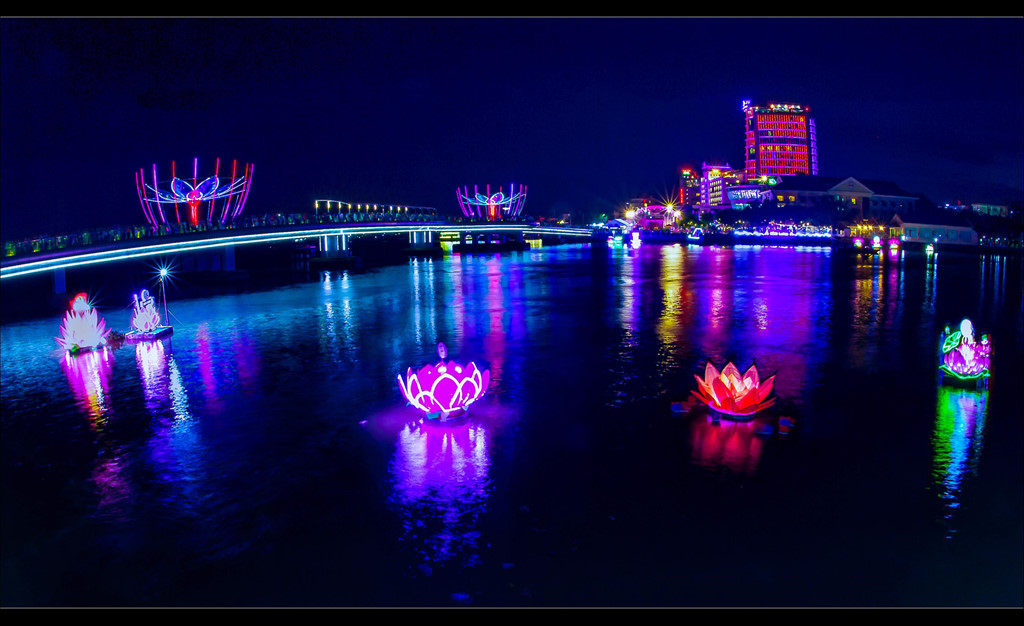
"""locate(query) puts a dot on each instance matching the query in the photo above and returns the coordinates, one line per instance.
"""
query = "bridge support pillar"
(59, 282)
(334, 245)
(228, 259)
(421, 239)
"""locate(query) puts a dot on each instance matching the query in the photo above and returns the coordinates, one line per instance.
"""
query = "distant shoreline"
(730, 240)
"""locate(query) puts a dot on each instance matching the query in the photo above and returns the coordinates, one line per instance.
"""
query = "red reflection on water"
(728, 444)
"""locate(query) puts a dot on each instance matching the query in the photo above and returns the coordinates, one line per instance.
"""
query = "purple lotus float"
(445, 390)
(964, 357)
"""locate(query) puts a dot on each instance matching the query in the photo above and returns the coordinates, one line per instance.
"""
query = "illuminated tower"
(780, 140)
(689, 187)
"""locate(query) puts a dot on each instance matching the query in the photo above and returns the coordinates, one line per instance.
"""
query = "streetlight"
(163, 293)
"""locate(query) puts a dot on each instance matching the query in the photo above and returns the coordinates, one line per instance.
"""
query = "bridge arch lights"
(194, 195)
(492, 207)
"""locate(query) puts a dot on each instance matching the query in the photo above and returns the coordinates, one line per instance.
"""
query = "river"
(263, 455)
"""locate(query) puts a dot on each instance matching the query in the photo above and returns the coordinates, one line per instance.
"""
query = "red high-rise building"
(780, 140)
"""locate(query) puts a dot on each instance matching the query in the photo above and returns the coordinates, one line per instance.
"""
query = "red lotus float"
(730, 393)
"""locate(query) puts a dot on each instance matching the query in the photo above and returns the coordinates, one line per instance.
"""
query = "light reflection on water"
(957, 442)
(725, 446)
(209, 435)
(441, 485)
(88, 375)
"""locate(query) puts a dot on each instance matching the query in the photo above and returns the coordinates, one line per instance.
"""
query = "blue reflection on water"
(233, 451)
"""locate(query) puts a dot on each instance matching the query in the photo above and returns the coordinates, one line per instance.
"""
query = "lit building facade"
(991, 209)
(862, 195)
(689, 187)
(714, 181)
(780, 140)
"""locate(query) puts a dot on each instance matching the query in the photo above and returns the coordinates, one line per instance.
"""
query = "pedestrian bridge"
(332, 237)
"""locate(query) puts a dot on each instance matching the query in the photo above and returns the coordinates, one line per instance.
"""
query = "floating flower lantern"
(82, 329)
(445, 390)
(729, 393)
(964, 357)
(145, 319)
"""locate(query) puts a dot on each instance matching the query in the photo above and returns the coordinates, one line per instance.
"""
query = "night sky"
(587, 112)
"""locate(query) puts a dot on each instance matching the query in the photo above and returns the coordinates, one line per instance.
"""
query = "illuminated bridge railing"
(121, 233)
(192, 242)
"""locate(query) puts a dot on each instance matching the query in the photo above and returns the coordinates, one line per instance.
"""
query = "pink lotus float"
(730, 393)
(82, 329)
(965, 357)
(444, 391)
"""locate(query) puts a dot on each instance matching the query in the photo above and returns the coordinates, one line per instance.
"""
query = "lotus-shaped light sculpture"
(145, 317)
(730, 393)
(963, 356)
(446, 389)
(82, 329)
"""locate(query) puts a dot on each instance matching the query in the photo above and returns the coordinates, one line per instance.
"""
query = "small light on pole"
(163, 292)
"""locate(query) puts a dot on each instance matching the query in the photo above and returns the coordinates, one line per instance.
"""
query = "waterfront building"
(656, 217)
(944, 230)
(779, 139)
(714, 181)
(991, 209)
(755, 194)
(689, 187)
(863, 197)
(633, 205)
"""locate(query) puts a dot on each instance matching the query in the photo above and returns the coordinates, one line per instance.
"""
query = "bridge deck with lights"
(108, 252)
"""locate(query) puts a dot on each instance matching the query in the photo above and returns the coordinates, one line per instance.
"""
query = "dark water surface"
(263, 456)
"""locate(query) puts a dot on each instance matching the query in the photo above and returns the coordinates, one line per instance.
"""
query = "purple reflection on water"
(176, 449)
(441, 481)
(246, 361)
(205, 358)
(112, 488)
(88, 374)
(152, 362)
(717, 315)
(494, 340)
